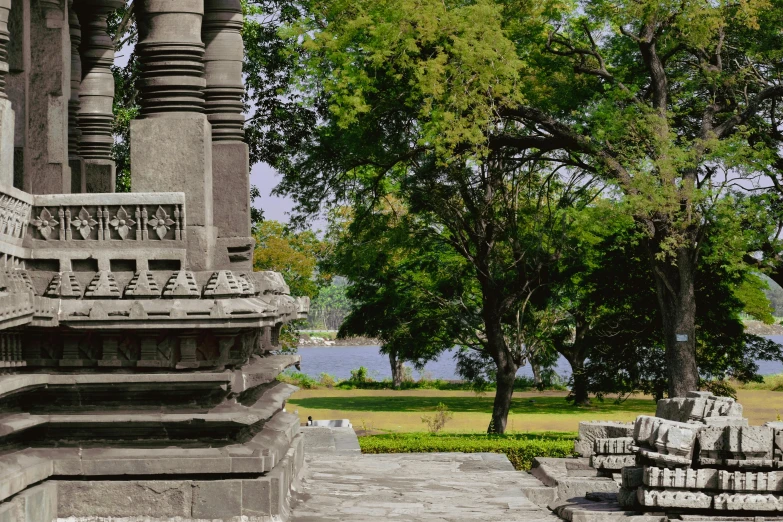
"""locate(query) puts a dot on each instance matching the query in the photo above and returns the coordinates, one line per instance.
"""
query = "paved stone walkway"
(340, 484)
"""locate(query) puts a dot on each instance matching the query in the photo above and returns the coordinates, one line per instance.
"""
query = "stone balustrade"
(69, 218)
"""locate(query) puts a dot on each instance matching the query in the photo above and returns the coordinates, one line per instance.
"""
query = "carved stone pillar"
(5, 37)
(74, 132)
(171, 142)
(7, 118)
(6, 112)
(230, 158)
(47, 90)
(96, 94)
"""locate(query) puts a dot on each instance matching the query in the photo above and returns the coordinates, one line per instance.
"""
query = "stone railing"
(15, 207)
(67, 218)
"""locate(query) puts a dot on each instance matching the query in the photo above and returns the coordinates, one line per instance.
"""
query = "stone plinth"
(180, 162)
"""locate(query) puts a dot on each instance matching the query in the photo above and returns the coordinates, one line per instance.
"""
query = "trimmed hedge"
(520, 448)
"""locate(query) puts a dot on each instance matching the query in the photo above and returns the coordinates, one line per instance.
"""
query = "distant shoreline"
(751, 327)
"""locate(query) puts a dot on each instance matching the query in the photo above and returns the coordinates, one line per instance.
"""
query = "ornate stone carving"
(45, 223)
(103, 286)
(122, 223)
(223, 284)
(161, 222)
(5, 11)
(84, 223)
(143, 284)
(64, 285)
(182, 284)
(171, 56)
(221, 32)
(97, 87)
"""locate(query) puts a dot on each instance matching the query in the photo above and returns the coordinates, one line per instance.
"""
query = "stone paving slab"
(433, 487)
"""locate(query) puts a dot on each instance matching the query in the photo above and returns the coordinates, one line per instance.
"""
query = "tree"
(405, 288)
(329, 309)
(294, 254)
(665, 94)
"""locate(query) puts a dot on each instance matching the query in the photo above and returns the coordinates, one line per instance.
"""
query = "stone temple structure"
(136, 343)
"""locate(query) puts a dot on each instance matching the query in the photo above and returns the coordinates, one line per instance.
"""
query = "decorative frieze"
(124, 217)
(14, 217)
(620, 445)
(182, 284)
(673, 498)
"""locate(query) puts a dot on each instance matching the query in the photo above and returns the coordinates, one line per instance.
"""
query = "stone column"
(230, 159)
(47, 90)
(96, 94)
(6, 112)
(74, 132)
(171, 142)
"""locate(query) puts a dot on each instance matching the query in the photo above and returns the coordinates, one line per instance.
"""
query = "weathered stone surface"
(673, 498)
(620, 446)
(700, 407)
(612, 462)
(736, 442)
(748, 502)
(6, 141)
(125, 498)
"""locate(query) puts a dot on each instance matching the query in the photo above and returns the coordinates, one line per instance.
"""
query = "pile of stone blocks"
(699, 455)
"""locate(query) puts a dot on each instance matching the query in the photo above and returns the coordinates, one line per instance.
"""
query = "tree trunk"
(397, 369)
(579, 391)
(536, 373)
(506, 375)
(676, 290)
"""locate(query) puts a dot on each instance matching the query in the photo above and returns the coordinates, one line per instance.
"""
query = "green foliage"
(293, 254)
(720, 388)
(751, 292)
(359, 376)
(769, 382)
(300, 379)
(437, 421)
(126, 90)
(331, 306)
(520, 448)
(326, 380)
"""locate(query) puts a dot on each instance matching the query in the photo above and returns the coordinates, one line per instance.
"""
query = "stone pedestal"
(231, 176)
(6, 143)
(173, 153)
(99, 176)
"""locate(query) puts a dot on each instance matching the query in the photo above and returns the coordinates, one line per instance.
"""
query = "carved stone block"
(632, 477)
(701, 407)
(676, 439)
(681, 478)
(736, 442)
(673, 498)
(748, 502)
(618, 446)
(589, 432)
(612, 462)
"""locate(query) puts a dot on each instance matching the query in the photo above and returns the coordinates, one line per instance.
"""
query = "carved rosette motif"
(160, 222)
(84, 223)
(96, 92)
(5, 36)
(122, 223)
(45, 223)
(221, 32)
(171, 56)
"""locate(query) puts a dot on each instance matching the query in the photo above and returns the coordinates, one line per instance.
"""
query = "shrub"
(302, 380)
(327, 380)
(359, 375)
(438, 421)
(520, 449)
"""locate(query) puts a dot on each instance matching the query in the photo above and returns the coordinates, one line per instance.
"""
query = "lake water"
(340, 360)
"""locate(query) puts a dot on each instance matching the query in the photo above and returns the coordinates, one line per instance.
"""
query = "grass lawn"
(401, 411)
